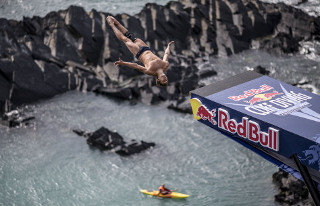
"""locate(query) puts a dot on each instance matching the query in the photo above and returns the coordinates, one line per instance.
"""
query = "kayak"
(173, 195)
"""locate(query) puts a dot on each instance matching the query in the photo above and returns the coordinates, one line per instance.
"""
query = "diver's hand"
(119, 62)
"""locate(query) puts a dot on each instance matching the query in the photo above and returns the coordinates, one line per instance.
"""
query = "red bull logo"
(263, 97)
(205, 114)
(251, 92)
(200, 111)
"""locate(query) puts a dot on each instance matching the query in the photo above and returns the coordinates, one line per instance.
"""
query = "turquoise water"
(16, 9)
(48, 164)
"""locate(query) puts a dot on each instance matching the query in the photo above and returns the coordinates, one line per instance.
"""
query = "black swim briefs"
(141, 50)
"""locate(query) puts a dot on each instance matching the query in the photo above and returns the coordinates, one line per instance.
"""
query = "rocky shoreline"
(75, 50)
(72, 49)
(291, 190)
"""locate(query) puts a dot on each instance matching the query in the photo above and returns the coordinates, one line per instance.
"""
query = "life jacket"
(162, 188)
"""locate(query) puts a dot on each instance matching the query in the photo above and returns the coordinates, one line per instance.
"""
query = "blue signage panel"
(270, 117)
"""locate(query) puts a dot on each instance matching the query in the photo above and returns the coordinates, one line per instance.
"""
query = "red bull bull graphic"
(202, 112)
(205, 114)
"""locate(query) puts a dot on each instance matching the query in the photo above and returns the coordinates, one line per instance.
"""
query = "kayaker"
(163, 190)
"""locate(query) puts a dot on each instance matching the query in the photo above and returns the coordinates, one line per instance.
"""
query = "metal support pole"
(308, 180)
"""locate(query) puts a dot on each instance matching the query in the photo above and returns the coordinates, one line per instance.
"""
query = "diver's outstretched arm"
(167, 52)
(132, 65)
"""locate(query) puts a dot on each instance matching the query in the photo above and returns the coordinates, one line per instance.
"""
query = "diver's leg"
(140, 42)
(133, 48)
(119, 26)
(115, 29)
(122, 29)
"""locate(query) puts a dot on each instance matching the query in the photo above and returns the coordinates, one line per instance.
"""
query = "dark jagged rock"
(119, 92)
(40, 51)
(260, 69)
(182, 107)
(292, 190)
(16, 118)
(134, 147)
(207, 73)
(105, 139)
(301, 2)
(72, 49)
(82, 133)
(26, 80)
(282, 43)
(88, 30)
(307, 85)
(22, 65)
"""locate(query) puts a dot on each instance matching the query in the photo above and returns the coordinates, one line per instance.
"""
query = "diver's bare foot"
(109, 20)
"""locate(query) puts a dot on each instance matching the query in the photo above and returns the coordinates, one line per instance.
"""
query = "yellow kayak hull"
(173, 195)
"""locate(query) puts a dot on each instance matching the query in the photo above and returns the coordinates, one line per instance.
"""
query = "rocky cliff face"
(73, 49)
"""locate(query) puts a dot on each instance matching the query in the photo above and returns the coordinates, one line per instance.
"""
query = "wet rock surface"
(259, 69)
(105, 139)
(291, 190)
(16, 118)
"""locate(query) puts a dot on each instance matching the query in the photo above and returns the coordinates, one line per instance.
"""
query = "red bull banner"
(272, 118)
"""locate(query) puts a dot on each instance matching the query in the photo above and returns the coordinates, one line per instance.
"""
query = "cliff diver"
(153, 65)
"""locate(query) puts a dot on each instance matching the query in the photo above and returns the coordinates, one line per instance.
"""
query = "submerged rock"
(207, 73)
(16, 118)
(282, 43)
(182, 106)
(291, 190)
(307, 85)
(105, 139)
(134, 147)
(259, 69)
